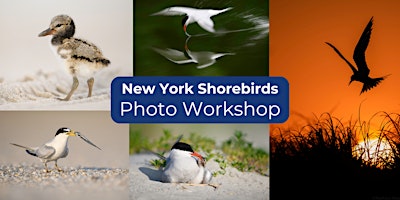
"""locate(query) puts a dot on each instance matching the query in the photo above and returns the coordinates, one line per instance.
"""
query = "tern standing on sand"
(56, 148)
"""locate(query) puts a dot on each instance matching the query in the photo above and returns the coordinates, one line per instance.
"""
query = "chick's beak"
(47, 32)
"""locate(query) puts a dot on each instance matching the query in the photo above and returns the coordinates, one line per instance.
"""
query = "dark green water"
(242, 32)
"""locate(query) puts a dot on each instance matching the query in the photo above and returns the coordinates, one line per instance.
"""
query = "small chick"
(81, 57)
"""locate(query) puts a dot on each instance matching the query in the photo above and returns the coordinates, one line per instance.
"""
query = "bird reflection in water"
(203, 59)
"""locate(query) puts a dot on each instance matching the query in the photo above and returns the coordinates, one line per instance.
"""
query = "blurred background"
(242, 31)
(257, 134)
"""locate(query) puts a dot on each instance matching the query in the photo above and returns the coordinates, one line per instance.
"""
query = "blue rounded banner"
(184, 99)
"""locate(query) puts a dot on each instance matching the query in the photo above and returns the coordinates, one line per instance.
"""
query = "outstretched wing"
(338, 52)
(207, 24)
(173, 55)
(176, 10)
(359, 51)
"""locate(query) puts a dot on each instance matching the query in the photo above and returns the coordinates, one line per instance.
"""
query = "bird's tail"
(161, 156)
(28, 149)
(24, 147)
(156, 154)
(371, 83)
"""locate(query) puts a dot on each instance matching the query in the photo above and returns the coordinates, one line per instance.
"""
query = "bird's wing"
(359, 51)
(212, 60)
(83, 50)
(173, 55)
(219, 55)
(206, 23)
(207, 64)
(176, 10)
(338, 52)
(45, 151)
(216, 12)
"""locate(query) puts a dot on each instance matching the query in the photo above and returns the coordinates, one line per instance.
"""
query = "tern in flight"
(361, 73)
(201, 16)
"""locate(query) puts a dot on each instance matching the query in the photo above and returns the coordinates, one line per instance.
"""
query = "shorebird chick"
(82, 58)
(56, 148)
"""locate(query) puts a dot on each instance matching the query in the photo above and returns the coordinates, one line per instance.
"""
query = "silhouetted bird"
(362, 74)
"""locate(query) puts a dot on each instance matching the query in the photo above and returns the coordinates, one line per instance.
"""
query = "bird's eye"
(58, 25)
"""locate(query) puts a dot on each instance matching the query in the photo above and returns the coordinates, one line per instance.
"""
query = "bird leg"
(73, 88)
(58, 168)
(46, 169)
(90, 83)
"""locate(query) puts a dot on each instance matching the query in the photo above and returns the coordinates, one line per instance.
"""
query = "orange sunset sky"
(318, 77)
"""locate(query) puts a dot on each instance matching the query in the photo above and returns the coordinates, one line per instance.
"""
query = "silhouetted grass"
(322, 160)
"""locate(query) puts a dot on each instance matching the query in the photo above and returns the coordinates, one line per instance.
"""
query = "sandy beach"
(145, 184)
(40, 91)
(31, 182)
(89, 173)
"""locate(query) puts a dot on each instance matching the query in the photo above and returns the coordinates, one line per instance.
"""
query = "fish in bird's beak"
(47, 32)
(86, 140)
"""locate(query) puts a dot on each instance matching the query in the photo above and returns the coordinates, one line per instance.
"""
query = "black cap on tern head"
(63, 130)
(182, 146)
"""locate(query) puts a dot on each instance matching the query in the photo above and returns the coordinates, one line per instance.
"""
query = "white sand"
(145, 184)
(41, 90)
(31, 182)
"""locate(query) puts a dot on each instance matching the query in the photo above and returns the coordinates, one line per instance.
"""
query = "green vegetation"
(242, 155)
(236, 152)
